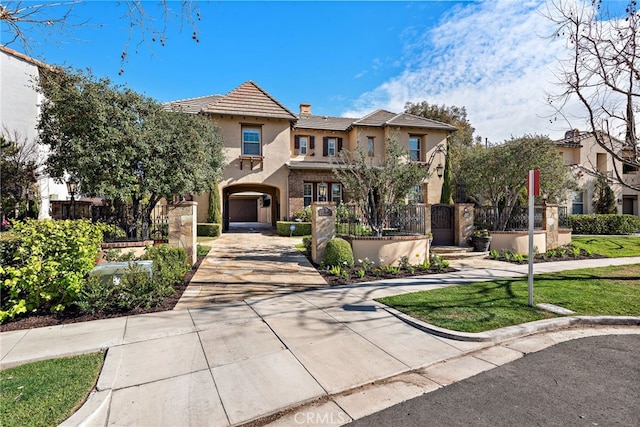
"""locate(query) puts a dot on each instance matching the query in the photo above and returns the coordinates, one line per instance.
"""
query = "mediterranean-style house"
(587, 159)
(278, 162)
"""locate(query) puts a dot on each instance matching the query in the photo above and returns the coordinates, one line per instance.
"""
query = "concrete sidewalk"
(324, 356)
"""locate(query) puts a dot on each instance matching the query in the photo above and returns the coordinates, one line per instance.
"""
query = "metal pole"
(531, 221)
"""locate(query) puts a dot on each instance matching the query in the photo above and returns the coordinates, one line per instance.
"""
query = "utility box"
(112, 272)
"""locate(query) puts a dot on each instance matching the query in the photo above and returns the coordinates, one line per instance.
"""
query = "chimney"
(305, 109)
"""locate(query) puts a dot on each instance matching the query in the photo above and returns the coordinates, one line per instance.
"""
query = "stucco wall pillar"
(323, 228)
(462, 223)
(183, 218)
(550, 224)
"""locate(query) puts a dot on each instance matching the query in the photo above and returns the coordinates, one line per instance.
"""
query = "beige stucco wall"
(389, 250)
(564, 236)
(276, 143)
(518, 241)
(315, 155)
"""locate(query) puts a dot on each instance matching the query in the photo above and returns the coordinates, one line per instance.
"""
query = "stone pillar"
(551, 224)
(462, 223)
(183, 218)
(323, 228)
(427, 218)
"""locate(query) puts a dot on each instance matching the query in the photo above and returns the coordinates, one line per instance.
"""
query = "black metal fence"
(563, 217)
(488, 217)
(154, 228)
(399, 220)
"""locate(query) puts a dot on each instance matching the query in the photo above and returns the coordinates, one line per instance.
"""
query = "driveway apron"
(244, 265)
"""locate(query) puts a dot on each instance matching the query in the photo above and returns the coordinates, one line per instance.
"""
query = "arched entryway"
(250, 203)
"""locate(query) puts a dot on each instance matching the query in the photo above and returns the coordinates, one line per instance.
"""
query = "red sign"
(536, 182)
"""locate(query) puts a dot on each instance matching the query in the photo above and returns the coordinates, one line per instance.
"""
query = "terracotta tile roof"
(377, 118)
(385, 118)
(191, 105)
(306, 165)
(249, 99)
(324, 123)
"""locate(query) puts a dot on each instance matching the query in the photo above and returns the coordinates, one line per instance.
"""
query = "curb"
(517, 331)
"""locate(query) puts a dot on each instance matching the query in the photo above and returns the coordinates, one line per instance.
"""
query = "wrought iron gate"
(442, 225)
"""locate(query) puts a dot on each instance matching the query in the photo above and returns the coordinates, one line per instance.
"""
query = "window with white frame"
(303, 146)
(307, 193)
(414, 148)
(577, 206)
(370, 146)
(336, 193)
(331, 147)
(251, 137)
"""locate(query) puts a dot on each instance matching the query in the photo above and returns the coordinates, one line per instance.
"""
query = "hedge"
(608, 224)
(338, 252)
(209, 229)
(301, 228)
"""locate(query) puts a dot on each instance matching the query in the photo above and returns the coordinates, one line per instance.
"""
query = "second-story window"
(414, 148)
(303, 145)
(331, 146)
(251, 141)
(370, 147)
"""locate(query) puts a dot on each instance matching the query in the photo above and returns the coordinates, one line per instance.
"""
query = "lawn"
(484, 306)
(46, 393)
(609, 246)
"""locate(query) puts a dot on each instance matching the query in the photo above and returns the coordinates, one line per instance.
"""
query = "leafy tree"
(460, 140)
(375, 188)
(19, 161)
(604, 200)
(601, 72)
(498, 174)
(214, 214)
(124, 146)
(446, 196)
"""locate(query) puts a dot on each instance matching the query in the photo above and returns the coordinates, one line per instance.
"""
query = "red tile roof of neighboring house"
(249, 99)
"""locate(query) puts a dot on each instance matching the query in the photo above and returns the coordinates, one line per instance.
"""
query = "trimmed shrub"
(612, 224)
(135, 288)
(49, 265)
(307, 241)
(338, 252)
(301, 228)
(208, 229)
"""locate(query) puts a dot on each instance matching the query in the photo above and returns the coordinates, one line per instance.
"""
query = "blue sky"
(345, 58)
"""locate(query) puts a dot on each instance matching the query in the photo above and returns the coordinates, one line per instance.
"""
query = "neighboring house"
(279, 162)
(586, 158)
(19, 111)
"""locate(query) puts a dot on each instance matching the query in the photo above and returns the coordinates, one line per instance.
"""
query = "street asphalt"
(585, 382)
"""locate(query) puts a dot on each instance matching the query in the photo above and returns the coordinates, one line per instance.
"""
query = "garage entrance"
(248, 206)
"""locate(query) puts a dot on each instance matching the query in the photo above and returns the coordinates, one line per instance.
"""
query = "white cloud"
(492, 57)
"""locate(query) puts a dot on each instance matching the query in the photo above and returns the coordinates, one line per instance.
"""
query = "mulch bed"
(53, 319)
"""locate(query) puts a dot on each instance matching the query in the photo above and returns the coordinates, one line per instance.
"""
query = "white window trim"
(258, 130)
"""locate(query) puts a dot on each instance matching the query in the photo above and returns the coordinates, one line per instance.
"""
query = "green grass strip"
(484, 306)
(609, 246)
(46, 393)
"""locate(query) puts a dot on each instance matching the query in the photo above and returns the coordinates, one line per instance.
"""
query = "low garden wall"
(564, 237)
(388, 250)
(123, 248)
(518, 241)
